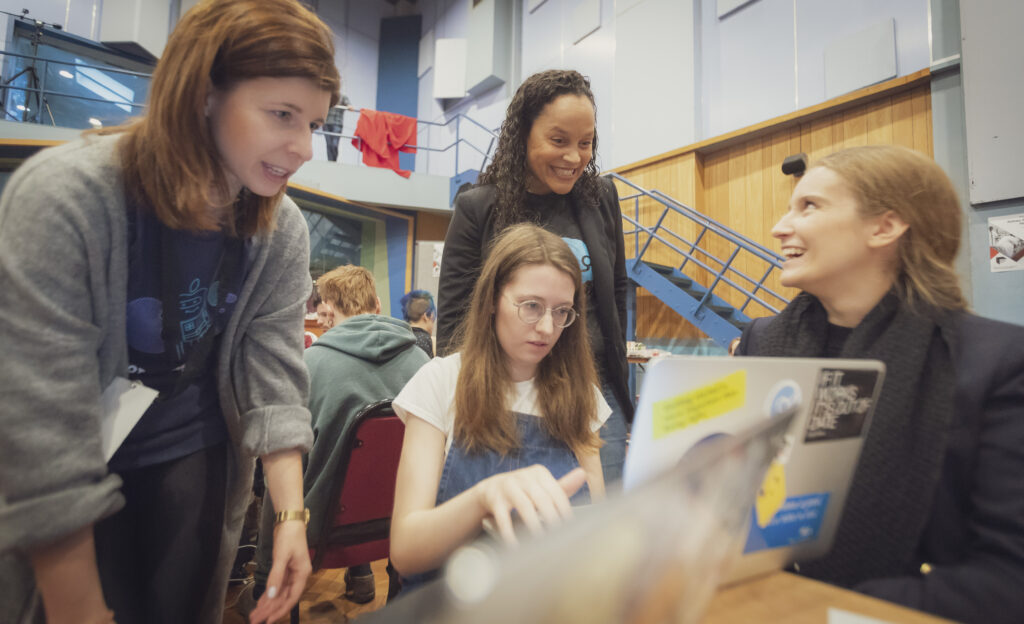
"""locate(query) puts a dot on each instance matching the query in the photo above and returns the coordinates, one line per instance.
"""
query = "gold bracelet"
(284, 516)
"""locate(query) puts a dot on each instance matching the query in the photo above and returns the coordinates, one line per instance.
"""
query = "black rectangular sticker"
(842, 402)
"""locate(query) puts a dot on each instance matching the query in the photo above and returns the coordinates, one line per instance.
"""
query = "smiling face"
(829, 247)
(526, 345)
(263, 129)
(560, 145)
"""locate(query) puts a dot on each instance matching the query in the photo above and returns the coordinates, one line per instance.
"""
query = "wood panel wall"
(431, 227)
(737, 180)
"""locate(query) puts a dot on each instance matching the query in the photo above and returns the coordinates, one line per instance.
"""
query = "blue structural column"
(397, 66)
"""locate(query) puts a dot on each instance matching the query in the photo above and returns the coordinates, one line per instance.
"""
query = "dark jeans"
(332, 141)
(156, 556)
(613, 434)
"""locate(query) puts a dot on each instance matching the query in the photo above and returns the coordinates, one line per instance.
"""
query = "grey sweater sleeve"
(55, 277)
(269, 387)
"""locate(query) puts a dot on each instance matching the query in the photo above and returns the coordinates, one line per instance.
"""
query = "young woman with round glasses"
(545, 172)
(508, 422)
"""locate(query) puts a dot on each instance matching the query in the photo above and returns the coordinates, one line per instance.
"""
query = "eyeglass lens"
(532, 312)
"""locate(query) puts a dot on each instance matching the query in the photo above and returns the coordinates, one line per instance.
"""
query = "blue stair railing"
(672, 273)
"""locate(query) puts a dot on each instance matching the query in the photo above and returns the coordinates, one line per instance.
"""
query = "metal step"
(676, 278)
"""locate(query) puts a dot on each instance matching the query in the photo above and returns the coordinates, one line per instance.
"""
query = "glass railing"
(69, 94)
(73, 94)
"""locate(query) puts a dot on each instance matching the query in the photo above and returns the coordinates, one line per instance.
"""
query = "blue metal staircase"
(667, 265)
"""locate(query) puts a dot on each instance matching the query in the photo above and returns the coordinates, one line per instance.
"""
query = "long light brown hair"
(171, 162)
(565, 379)
(914, 187)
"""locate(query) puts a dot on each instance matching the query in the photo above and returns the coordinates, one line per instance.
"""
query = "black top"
(600, 231)
(182, 420)
(973, 541)
(423, 340)
(835, 339)
(555, 214)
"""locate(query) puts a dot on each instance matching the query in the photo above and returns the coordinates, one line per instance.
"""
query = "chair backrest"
(360, 513)
(368, 491)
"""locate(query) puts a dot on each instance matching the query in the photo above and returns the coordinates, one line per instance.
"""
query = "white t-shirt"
(430, 395)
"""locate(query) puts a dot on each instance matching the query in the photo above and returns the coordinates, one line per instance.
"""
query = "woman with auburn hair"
(184, 268)
(545, 172)
(509, 421)
(935, 514)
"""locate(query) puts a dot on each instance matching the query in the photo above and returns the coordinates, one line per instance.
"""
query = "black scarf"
(900, 465)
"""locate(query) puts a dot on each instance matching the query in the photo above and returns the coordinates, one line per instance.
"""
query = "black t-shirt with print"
(190, 420)
(555, 214)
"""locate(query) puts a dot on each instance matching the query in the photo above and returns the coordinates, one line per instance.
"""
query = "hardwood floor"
(323, 601)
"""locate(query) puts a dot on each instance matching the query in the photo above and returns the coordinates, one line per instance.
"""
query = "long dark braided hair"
(509, 168)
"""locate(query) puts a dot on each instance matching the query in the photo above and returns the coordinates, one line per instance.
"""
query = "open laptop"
(653, 554)
(686, 401)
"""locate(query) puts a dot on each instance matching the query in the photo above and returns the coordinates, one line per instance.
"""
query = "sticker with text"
(842, 402)
(714, 399)
(798, 520)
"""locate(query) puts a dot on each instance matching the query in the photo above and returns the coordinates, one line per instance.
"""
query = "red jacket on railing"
(380, 136)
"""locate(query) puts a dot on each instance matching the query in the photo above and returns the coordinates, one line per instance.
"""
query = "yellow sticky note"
(772, 494)
(690, 408)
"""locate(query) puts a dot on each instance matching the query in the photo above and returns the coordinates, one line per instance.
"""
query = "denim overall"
(464, 469)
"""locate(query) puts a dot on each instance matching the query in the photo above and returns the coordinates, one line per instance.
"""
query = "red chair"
(360, 525)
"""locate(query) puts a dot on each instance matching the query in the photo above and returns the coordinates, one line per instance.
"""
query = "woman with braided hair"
(545, 172)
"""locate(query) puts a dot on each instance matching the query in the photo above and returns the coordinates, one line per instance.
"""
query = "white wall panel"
(359, 71)
(748, 70)
(426, 56)
(583, 19)
(542, 38)
(142, 23)
(993, 58)
(821, 23)
(862, 59)
(449, 68)
(653, 109)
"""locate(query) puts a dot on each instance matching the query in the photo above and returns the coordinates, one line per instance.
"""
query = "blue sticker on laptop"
(784, 395)
(798, 520)
(841, 404)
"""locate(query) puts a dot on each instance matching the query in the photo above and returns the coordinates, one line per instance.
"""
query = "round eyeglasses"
(531, 312)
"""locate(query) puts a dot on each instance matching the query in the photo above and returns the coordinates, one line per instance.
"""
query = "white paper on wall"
(1006, 243)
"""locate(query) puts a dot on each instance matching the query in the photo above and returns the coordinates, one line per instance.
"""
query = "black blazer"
(472, 229)
(974, 540)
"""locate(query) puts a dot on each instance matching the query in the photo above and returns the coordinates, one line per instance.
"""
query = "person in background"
(508, 423)
(419, 311)
(545, 171)
(375, 356)
(183, 267)
(335, 123)
(324, 314)
(935, 515)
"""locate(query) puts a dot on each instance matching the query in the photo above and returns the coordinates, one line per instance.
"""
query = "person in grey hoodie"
(374, 356)
(163, 252)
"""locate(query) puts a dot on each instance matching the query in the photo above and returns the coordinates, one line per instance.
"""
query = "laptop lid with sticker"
(686, 401)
